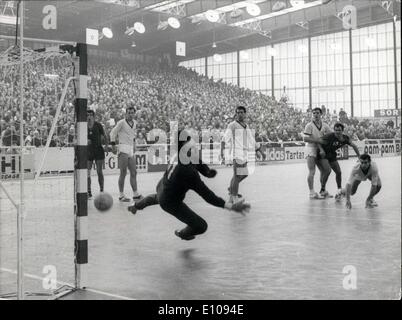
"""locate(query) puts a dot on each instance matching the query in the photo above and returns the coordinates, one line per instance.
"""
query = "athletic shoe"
(132, 209)
(124, 199)
(315, 195)
(325, 194)
(239, 195)
(89, 195)
(339, 195)
(139, 197)
(181, 236)
(371, 204)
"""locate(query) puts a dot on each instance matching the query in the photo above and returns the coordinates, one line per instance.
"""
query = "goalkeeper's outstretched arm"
(209, 196)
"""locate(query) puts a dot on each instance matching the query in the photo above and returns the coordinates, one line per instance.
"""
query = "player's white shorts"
(127, 149)
(311, 151)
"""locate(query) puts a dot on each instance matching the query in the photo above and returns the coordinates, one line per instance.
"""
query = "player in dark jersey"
(330, 143)
(96, 135)
(172, 188)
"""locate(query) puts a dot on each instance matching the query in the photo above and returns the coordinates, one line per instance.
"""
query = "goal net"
(45, 185)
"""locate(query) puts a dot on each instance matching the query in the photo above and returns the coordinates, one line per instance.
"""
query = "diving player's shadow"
(191, 261)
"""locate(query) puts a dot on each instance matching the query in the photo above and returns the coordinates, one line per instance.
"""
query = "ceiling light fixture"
(107, 32)
(174, 22)
(253, 9)
(139, 27)
(212, 16)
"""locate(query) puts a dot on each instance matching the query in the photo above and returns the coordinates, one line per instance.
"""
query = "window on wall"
(373, 69)
(197, 65)
(330, 71)
(255, 70)
(291, 72)
(225, 70)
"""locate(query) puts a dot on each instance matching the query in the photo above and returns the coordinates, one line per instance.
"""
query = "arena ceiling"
(234, 30)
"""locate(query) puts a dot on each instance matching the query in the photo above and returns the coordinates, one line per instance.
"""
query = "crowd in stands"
(161, 95)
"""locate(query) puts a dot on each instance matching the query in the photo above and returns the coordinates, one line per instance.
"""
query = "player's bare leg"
(133, 177)
(325, 171)
(99, 171)
(234, 187)
(123, 164)
(311, 163)
(239, 174)
(338, 177)
(149, 200)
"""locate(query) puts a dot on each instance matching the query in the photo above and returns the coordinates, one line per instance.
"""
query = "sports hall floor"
(287, 247)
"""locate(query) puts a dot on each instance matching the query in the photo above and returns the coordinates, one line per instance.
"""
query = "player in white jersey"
(239, 140)
(313, 132)
(125, 132)
(362, 171)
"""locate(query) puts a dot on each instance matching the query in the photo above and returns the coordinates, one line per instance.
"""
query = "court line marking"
(109, 294)
(35, 277)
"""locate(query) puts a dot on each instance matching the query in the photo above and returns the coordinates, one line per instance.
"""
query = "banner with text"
(386, 113)
(112, 163)
(10, 166)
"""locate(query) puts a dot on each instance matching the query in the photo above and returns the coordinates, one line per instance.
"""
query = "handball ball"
(103, 201)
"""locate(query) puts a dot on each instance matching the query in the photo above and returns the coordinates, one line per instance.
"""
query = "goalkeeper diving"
(183, 175)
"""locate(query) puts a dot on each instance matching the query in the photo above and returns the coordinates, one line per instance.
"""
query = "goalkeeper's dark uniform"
(171, 191)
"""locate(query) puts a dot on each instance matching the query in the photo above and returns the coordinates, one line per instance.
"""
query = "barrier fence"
(154, 158)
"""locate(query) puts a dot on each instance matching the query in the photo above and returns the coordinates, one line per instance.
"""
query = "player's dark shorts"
(331, 157)
(96, 153)
(240, 167)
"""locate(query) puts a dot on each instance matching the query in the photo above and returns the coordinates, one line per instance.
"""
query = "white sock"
(121, 194)
(135, 194)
